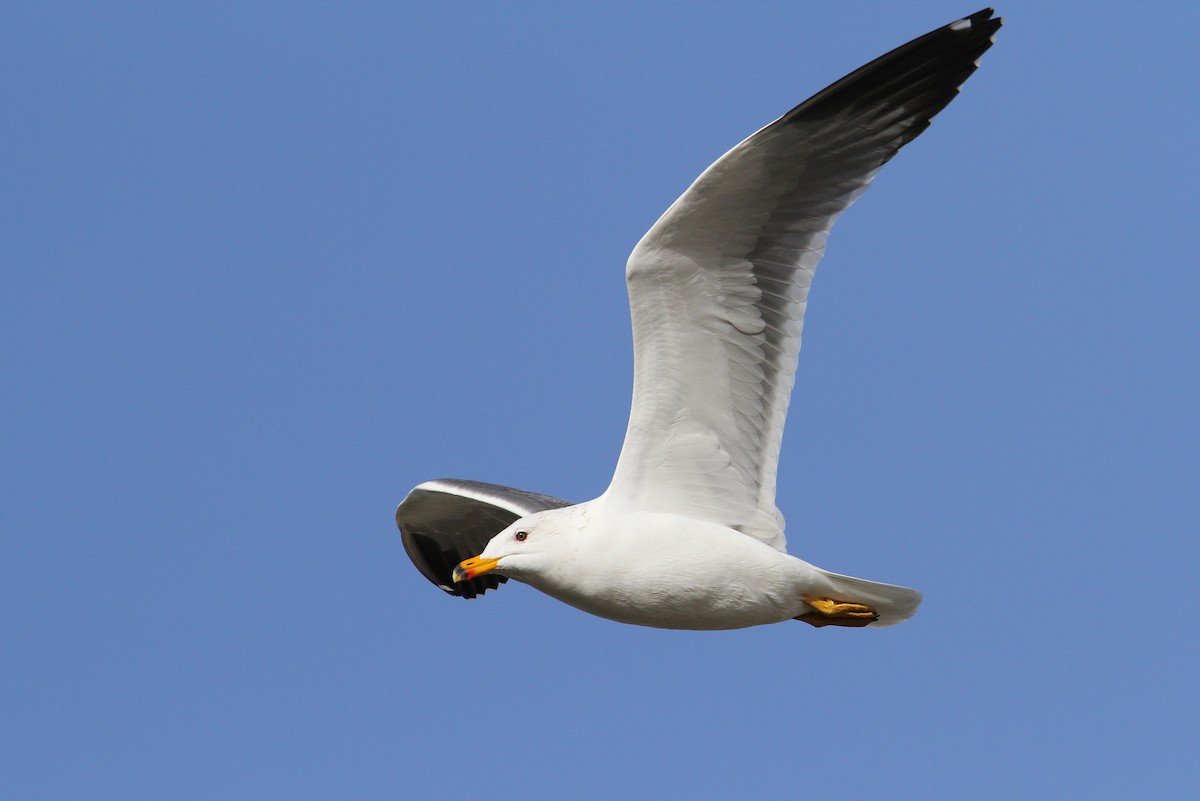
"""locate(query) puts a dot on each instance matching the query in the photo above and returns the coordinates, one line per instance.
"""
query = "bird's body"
(685, 573)
(687, 535)
(728, 581)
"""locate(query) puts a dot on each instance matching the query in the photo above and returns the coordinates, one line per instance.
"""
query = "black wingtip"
(982, 19)
(440, 529)
(445, 521)
(920, 77)
(437, 563)
(982, 15)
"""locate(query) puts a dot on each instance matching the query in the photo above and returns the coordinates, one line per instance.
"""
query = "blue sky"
(267, 267)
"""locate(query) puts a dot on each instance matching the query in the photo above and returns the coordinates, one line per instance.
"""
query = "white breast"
(667, 571)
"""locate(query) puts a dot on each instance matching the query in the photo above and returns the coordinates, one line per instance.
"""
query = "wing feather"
(719, 284)
(445, 521)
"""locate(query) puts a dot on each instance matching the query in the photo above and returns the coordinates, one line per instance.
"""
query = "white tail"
(894, 604)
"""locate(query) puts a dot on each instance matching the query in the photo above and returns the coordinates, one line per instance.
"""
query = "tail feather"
(894, 604)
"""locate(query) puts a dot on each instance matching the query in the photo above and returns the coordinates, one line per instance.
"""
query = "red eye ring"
(521, 536)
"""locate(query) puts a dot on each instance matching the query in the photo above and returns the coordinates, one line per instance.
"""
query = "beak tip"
(470, 568)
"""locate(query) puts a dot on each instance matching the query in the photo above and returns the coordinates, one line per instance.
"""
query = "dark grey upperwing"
(445, 521)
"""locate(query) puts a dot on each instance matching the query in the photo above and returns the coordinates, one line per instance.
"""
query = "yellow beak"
(475, 566)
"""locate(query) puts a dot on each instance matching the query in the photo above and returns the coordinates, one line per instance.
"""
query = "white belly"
(676, 574)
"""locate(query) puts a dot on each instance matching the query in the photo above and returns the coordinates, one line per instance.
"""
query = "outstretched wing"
(445, 521)
(718, 286)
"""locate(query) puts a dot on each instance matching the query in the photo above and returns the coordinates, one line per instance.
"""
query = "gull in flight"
(687, 535)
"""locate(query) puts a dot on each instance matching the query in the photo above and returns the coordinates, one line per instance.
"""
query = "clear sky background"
(266, 267)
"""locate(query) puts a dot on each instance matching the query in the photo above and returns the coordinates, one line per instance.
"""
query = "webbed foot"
(827, 612)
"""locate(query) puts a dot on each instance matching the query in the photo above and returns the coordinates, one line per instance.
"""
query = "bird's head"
(526, 549)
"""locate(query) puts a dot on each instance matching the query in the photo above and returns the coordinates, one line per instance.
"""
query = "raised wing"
(445, 521)
(718, 286)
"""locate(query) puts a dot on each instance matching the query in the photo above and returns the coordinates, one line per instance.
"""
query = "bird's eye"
(521, 536)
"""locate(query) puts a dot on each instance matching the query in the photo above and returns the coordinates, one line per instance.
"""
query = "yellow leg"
(827, 612)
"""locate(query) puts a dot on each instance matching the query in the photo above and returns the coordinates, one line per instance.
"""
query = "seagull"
(687, 535)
